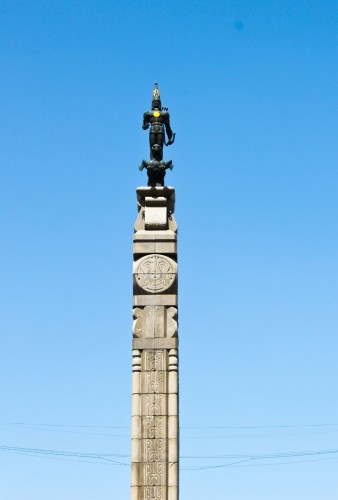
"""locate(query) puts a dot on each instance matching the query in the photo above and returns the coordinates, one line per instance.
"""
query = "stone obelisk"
(155, 431)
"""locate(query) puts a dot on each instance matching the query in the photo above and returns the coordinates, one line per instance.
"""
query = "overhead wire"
(249, 427)
(237, 460)
(275, 456)
(68, 429)
(65, 455)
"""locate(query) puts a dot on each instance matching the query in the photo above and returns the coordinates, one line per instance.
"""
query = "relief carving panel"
(155, 322)
(154, 360)
(154, 404)
(171, 322)
(154, 427)
(155, 382)
(153, 493)
(155, 273)
(154, 473)
(154, 450)
(137, 322)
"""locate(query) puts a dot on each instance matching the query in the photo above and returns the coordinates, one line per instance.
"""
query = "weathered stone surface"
(172, 404)
(172, 492)
(155, 236)
(135, 469)
(134, 491)
(155, 343)
(171, 322)
(136, 451)
(138, 322)
(156, 215)
(173, 427)
(135, 404)
(148, 247)
(155, 300)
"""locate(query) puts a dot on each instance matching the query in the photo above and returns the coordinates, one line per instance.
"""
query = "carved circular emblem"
(156, 114)
(155, 273)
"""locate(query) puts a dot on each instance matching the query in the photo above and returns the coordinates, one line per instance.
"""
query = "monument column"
(154, 448)
(155, 436)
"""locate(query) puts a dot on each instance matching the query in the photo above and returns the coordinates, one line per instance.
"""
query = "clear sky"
(252, 92)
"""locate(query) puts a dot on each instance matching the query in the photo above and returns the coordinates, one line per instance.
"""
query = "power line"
(236, 460)
(65, 455)
(64, 425)
(88, 430)
(234, 464)
(277, 456)
(249, 427)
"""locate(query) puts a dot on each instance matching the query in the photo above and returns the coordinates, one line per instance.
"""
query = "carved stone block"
(155, 236)
(154, 274)
(156, 218)
(137, 322)
(154, 382)
(154, 427)
(171, 322)
(154, 473)
(153, 404)
(155, 322)
(163, 242)
(155, 300)
(163, 247)
(155, 343)
(149, 322)
(154, 450)
(154, 360)
(152, 493)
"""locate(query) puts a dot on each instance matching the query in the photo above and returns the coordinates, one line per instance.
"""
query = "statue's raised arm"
(158, 120)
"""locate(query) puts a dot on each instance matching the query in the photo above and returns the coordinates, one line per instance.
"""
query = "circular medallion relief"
(155, 273)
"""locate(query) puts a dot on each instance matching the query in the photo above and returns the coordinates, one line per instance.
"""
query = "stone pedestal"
(155, 431)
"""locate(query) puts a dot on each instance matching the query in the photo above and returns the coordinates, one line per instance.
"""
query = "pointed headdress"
(156, 93)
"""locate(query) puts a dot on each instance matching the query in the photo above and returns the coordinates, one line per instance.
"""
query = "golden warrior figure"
(158, 120)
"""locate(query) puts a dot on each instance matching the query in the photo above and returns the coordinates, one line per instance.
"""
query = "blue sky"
(252, 92)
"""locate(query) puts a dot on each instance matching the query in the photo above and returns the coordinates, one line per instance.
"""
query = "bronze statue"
(159, 121)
